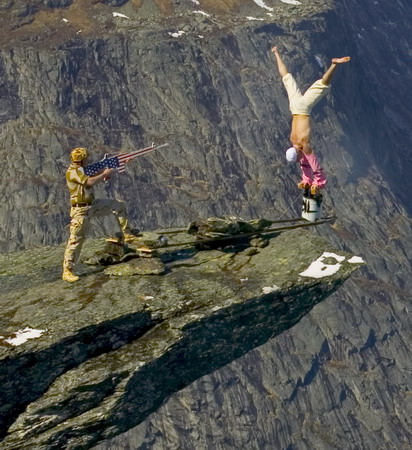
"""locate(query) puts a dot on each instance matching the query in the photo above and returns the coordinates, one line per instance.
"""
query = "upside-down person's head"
(292, 154)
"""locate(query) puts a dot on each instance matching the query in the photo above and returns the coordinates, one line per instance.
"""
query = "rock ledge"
(109, 350)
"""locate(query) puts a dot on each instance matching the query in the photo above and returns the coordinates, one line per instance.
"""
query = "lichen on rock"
(121, 340)
(146, 266)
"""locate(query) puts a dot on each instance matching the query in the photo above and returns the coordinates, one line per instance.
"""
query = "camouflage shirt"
(76, 182)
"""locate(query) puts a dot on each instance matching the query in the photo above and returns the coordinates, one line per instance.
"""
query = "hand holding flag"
(117, 161)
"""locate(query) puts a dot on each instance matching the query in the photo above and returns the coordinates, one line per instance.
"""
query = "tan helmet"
(78, 154)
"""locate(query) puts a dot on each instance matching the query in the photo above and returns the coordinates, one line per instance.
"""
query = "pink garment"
(312, 172)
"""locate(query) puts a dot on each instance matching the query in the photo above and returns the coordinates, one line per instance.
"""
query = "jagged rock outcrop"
(111, 350)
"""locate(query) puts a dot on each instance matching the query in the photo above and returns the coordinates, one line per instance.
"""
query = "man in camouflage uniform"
(84, 206)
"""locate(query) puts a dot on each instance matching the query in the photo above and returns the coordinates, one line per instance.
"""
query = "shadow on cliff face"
(203, 347)
(32, 373)
(10, 102)
(85, 381)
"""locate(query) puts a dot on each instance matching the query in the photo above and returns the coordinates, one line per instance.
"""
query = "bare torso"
(300, 134)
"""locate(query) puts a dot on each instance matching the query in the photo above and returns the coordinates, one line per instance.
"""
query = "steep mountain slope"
(340, 378)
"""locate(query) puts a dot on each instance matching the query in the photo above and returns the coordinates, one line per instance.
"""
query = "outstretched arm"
(327, 77)
(281, 65)
(91, 181)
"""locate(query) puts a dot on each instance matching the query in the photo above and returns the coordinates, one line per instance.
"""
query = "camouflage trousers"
(79, 224)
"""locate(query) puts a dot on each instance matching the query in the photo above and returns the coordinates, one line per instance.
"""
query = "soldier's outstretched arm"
(91, 181)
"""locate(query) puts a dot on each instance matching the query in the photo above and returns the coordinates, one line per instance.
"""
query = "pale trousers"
(80, 219)
(299, 103)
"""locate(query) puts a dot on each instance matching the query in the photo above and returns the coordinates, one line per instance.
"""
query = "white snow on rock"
(22, 336)
(291, 2)
(203, 13)
(270, 289)
(177, 34)
(318, 269)
(262, 4)
(252, 18)
(116, 14)
(64, 20)
(356, 260)
(196, 2)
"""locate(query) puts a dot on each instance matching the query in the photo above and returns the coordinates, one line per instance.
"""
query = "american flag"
(117, 161)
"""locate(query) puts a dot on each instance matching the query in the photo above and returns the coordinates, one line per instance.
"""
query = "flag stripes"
(117, 161)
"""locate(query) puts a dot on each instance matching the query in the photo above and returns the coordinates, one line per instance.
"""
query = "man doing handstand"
(300, 106)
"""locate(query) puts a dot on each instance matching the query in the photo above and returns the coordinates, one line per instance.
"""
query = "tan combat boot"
(69, 276)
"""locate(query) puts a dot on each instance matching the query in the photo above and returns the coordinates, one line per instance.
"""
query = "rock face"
(79, 75)
(111, 350)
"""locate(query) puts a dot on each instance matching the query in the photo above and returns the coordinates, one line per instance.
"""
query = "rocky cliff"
(200, 76)
(107, 352)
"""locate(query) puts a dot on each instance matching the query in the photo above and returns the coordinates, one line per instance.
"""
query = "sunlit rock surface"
(107, 351)
(77, 74)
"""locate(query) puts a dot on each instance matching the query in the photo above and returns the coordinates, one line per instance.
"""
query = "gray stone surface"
(115, 347)
(107, 82)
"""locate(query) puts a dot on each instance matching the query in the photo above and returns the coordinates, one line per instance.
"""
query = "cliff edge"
(104, 353)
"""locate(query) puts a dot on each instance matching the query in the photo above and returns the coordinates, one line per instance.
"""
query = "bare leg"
(327, 77)
(281, 65)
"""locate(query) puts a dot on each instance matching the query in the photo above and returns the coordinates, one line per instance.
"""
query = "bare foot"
(345, 59)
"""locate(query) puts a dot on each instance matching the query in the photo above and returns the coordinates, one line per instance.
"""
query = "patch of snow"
(148, 297)
(252, 18)
(178, 34)
(196, 2)
(24, 335)
(116, 14)
(270, 289)
(262, 4)
(199, 35)
(198, 11)
(291, 2)
(269, 14)
(64, 20)
(332, 255)
(79, 31)
(318, 269)
(356, 260)
(242, 280)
